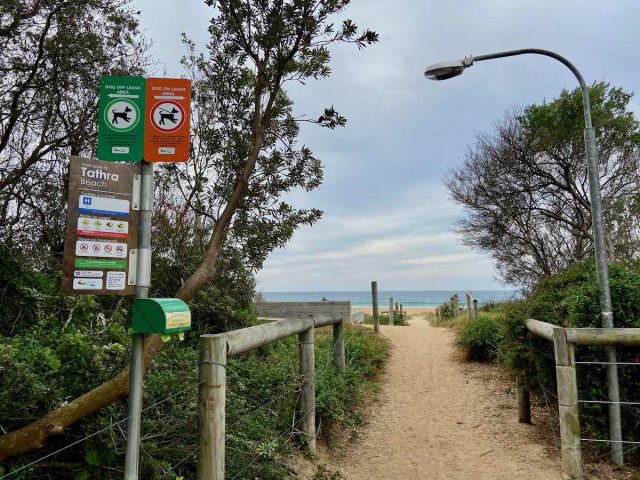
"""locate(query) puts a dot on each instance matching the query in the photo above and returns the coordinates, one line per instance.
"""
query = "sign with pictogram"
(166, 134)
(101, 233)
(120, 118)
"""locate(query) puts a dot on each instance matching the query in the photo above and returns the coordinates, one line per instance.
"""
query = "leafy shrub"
(480, 338)
(571, 299)
(444, 311)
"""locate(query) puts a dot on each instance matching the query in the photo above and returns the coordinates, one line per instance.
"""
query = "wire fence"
(291, 386)
(596, 363)
(97, 432)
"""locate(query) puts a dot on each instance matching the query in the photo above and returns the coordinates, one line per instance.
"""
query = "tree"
(524, 187)
(53, 55)
(248, 142)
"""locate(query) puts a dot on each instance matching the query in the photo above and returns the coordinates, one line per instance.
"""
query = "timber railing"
(282, 319)
(564, 341)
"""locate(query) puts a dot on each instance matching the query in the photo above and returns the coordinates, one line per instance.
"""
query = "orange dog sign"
(167, 117)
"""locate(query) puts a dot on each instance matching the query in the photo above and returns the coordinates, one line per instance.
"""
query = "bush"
(480, 338)
(571, 299)
(444, 311)
(261, 391)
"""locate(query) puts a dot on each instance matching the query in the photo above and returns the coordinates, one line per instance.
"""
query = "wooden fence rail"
(564, 341)
(296, 318)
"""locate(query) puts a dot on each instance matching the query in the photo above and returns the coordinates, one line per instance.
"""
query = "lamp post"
(446, 70)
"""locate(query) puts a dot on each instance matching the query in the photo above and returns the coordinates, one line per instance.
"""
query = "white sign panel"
(102, 227)
(88, 274)
(90, 248)
(87, 284)
(116, 280)
(103, 206)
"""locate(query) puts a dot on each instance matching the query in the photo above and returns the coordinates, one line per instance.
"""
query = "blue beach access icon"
(86, 200)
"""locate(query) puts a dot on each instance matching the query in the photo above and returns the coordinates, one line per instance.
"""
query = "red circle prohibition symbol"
(167, 111)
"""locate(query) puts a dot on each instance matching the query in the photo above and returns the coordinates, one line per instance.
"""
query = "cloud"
(387, 215)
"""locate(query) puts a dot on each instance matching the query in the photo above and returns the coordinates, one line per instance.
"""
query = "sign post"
(137, 349)
(108, 230)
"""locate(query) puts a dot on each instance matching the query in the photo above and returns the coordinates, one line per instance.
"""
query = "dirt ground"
(437, 418)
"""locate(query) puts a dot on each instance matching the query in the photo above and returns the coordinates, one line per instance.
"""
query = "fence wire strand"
(91, 435)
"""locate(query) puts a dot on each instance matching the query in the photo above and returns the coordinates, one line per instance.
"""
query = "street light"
(446, 70)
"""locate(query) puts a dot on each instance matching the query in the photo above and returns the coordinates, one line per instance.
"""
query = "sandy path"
(435, 420)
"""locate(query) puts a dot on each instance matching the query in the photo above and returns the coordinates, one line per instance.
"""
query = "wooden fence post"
(568, 405)
(469, 311)
(307, 406)
(401, 314)
(374, 304)
(212, 385)
(475, 309)
(338, 343)
(523, 401)
(456, 308)
(390, 310)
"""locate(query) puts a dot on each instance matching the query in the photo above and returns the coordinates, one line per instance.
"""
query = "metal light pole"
(446, 70)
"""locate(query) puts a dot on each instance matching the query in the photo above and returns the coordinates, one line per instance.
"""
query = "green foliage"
(445, 311)
(524, 190)
(571, 299)
(262, 391)
(480, 338)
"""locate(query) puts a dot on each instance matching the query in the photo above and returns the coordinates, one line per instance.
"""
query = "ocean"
(425, 298)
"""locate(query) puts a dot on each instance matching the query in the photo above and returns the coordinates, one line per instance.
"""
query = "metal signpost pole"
(143, 275)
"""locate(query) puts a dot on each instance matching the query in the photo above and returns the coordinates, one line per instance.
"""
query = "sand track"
(438, 418)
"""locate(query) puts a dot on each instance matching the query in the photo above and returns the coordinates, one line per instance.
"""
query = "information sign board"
(101, 232)
(167, 119)
(120, 118)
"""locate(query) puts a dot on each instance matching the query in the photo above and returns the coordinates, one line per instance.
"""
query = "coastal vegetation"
(524, 191)
(217, 217)
(52, 358)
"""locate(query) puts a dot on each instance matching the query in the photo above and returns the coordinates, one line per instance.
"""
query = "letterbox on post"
(160, 315)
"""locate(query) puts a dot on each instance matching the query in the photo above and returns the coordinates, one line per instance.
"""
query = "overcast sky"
(387, 216)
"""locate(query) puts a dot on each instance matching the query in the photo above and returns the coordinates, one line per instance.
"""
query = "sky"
(387, 215)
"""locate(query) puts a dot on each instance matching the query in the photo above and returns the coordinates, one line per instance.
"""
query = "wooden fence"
(282, 319)
(564, 341)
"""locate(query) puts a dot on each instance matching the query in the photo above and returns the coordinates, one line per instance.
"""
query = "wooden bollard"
(456, 308)
(568, 405)
(307, 404)
(523, 402)
(212, 386)
(390, 310)
(469, 308)
(374, 304)
(338, 343)
(475, 309)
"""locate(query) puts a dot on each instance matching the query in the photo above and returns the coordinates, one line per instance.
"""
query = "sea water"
(425, 298)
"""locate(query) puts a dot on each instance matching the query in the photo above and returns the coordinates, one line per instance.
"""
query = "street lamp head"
(447, 70)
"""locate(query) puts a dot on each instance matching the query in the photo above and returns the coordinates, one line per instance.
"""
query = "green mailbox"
(160, 315)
